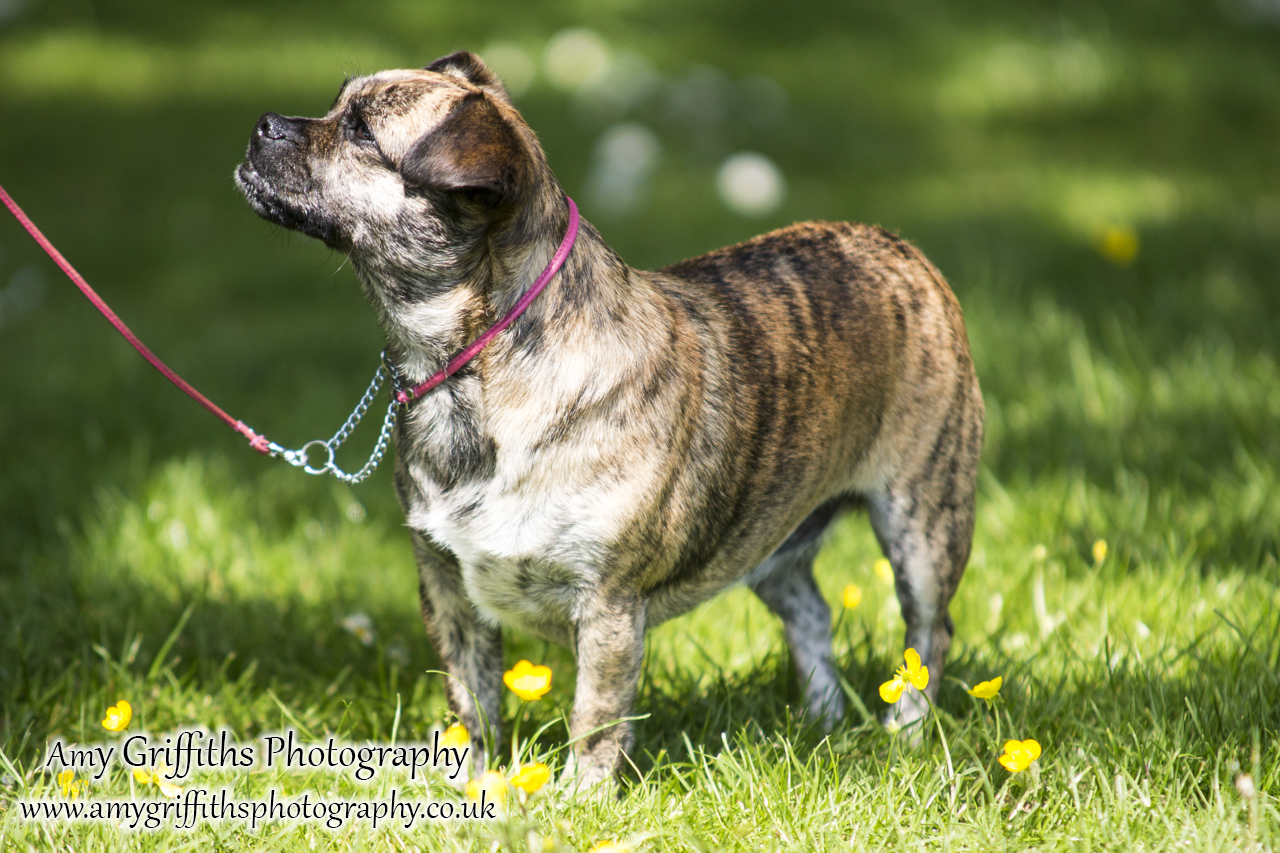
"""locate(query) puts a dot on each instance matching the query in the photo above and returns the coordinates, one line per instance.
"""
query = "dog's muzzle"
(275, 179)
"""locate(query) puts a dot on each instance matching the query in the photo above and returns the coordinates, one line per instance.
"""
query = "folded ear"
(465, 65)
(474, 148)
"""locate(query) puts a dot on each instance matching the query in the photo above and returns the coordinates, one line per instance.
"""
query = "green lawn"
(147, 554)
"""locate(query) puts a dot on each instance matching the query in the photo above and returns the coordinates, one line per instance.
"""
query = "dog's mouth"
(272, 205)
(265, 199)
(255, 190)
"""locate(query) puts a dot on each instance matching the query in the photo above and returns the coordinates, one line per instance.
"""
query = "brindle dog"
(636, 441)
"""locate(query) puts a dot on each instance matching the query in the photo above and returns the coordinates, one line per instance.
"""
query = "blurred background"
(1100, 182)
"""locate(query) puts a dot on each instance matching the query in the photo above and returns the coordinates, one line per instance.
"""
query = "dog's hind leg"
(469, 649)
(784, 582)
(924, 522)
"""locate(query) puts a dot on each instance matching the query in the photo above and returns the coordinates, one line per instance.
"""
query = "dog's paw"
(826, 706)
(581, 777)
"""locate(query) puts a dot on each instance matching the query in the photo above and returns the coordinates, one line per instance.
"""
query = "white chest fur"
(532, 538)
(524, 555)
(533, 535)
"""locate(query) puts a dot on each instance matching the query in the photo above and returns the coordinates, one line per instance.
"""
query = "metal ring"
(306, 462)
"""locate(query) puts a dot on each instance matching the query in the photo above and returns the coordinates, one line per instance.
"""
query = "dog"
(635, 442)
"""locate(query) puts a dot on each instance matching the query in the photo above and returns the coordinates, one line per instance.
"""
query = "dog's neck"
(436, 296)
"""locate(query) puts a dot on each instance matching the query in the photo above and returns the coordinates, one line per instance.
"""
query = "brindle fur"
(636, 441)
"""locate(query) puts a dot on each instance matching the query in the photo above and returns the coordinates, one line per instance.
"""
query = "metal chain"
(300, 458)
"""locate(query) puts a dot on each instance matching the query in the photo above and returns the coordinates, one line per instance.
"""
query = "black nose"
(277, 128)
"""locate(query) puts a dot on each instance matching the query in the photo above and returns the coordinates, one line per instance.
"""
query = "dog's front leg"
(469, 649)
(609, 644)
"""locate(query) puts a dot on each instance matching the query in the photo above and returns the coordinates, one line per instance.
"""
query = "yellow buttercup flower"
(913, 673)
(118, 717)
(884, 570)
(456, 735)
(851, 597)
(1099, 552)
(611, 846)
(492, 782)
(155, 776)
(1018, 755)
(531, 777)
(1119, 244)
(987, 689)
(527, 681)
(70, 787)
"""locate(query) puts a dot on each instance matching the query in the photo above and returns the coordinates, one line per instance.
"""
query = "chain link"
(300, 458)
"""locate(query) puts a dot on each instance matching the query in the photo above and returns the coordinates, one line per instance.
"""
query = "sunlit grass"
(85, 65)
(1148, 676)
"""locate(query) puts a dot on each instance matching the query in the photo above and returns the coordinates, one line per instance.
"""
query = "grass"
(144, 554)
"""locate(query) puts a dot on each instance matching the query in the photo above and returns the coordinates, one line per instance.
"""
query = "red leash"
(260, 442)
(257, 442)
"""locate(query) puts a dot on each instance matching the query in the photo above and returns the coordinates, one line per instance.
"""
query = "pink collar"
(406, 398)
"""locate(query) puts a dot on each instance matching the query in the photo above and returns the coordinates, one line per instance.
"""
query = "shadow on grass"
(1206, 703)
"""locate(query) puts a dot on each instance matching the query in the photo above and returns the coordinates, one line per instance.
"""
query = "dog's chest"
(527, 551)
(532, 526)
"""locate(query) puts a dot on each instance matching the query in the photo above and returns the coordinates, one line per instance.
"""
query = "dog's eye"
(359, 129)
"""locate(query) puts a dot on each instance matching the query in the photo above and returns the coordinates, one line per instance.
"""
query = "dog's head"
(402, 160)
